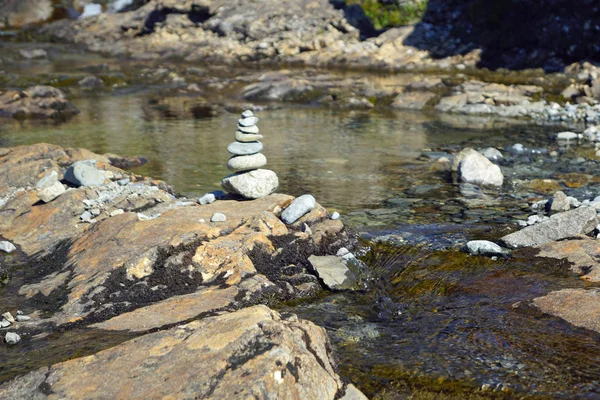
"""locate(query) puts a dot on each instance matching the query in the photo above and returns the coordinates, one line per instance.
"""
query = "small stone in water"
(23, 318)
(19, 312)
(7, 247)
(8, 316)
(335, 216)
(218, 217)
(4, 323)
(12, 338)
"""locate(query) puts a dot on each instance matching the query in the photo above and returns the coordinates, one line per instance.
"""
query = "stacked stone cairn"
(248, 179)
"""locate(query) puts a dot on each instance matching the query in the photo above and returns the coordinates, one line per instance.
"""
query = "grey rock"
(86, 216)
(218, 217)
(252, 129)
(23, 318)
(12, 338)
(516, 149)
(243, 149)
(246, 137)
(333, 271)
(48, 180)
(8, 316)
(91, 82)
(335, 216)
(492, 154)
(484, 248)
(248, 121)
(95, 212)
(247, 114)
(298, 208)
(478, 170)
(123, 182)
(7, 247)
(245, 163)
(85, 173)
(52, 192)
(251, 184)
(208, 198)
(581, 220)
(560, 202)
(19, 312)
(4, 323)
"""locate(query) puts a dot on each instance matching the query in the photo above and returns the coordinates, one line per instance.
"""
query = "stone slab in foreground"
(251, 353)
(580, 307)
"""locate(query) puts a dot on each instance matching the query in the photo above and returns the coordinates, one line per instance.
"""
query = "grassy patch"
(387, 16)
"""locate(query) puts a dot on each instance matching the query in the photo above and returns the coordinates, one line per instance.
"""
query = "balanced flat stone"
(246, 137)
(244, 163)
(248, 129)
(247, 114)
(243, 149)
(248, 121)
(252, 184)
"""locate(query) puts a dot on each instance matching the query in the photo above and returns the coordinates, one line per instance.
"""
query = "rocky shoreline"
(149, 261)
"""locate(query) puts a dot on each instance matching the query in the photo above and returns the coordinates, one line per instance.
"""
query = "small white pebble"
(218, 217)
(7, 247)
(117, 212)
(335, 216)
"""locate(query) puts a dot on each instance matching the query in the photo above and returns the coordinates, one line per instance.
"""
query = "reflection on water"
(346, 159)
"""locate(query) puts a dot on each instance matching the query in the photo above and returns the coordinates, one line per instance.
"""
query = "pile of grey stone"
(248, 179)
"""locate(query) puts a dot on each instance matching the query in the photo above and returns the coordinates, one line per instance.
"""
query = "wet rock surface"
(131, 257)
(248, 352)
(36, 102)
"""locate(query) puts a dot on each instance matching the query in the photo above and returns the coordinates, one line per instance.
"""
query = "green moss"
(386, 16)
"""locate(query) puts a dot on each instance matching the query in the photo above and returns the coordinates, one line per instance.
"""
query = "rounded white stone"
(251, 184)
(248, 121)
(245, 163)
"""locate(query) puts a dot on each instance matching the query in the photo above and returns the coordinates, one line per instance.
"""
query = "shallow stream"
(437, 321)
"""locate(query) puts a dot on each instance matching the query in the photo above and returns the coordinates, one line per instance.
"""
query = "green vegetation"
(387, 16)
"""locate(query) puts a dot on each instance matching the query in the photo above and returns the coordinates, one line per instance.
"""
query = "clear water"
(447, 323)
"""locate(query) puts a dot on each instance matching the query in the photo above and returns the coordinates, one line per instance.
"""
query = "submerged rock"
(36, 102)
(560, 226)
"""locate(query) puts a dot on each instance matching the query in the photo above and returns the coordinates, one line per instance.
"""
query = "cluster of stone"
(248, 179)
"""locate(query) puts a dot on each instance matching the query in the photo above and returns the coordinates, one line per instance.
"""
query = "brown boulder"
(253, 352)
(36, 102)
(583, 253)
(580, 307)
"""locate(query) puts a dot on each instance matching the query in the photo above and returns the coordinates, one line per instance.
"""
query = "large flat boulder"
(580, 307)
(253, 352)
(567, 224)
(583, 254)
